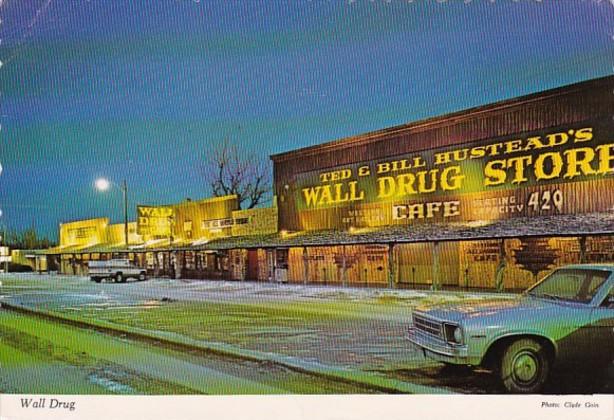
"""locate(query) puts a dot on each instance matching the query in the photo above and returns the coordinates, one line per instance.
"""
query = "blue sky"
(144, 89)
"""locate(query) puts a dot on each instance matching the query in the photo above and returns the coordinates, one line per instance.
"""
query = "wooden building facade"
(488, 198)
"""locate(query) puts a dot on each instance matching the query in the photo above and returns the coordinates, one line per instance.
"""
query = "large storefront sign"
(552, 171)
(155, 221)
(83, 232)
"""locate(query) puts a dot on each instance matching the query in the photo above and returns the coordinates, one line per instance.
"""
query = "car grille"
(427, 325)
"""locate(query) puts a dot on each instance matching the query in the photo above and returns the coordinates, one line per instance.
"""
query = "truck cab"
(117, 270)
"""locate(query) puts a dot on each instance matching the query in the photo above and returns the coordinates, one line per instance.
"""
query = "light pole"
(103, 184)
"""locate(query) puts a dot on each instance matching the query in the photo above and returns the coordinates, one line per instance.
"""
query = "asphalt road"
(358, 329)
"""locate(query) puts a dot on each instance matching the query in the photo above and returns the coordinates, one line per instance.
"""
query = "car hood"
(457, 312)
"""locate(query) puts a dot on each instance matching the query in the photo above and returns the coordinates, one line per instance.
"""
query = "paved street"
(361, 330)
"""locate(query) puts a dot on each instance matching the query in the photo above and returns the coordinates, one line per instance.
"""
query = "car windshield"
(577, 285)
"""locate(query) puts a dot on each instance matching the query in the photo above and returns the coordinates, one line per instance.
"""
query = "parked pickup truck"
(565, 320)
(117, 269)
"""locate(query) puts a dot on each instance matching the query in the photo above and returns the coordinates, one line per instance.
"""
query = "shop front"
(489, 198)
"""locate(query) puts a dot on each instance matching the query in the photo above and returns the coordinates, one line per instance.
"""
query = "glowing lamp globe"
(102, 184)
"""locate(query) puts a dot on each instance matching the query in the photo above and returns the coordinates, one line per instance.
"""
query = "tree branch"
(229, 172)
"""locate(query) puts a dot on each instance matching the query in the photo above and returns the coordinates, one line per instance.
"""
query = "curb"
(180, 342)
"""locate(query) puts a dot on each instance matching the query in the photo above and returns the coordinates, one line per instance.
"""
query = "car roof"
(599, 266)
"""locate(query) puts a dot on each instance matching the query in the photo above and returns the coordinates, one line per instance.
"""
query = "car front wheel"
(524, 367)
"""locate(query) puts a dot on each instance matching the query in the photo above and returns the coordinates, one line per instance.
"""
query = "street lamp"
(103, 184)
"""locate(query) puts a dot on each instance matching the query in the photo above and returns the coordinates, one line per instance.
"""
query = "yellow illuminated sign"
(83, 232)
(522, 175)
(561, 155)
(155, 221)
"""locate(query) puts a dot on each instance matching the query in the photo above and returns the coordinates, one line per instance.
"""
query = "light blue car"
(567, 319)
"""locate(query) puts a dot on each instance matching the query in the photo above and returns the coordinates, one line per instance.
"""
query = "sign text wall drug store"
(542, 160)
(523, 175)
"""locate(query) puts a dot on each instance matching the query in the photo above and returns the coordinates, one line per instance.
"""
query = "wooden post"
(156, 264)
(500, 267)
(270, 267)
(343, 267)
(582, 241)
(466, 278)
(392, 266)
(179, 264)
(305, 266)
(435, 285)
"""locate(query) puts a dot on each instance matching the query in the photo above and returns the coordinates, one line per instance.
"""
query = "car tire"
(119, 278)
(96, 279)
(142, 277)
(525, 367)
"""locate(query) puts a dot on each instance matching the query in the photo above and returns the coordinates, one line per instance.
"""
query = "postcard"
(336, 209)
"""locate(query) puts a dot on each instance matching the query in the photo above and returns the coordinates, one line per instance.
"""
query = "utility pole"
(125, 191)
(103, 184)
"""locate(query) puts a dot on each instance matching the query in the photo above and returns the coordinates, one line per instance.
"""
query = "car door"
(602, 322)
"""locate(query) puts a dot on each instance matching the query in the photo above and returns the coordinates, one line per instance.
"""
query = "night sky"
(143, 90)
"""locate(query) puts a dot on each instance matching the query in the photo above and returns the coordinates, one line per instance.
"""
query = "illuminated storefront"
(488, 198)
(174, 240)
(492, 197)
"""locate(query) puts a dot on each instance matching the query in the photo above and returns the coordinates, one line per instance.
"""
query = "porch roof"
(559, 225)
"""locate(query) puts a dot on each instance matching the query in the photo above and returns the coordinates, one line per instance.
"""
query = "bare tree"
(229, 171)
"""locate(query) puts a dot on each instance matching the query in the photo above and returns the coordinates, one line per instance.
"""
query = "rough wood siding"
(566, 105)
(415, 263)
(600, 249)
(364, 265)
(566, 250)
(557, 107)
(449, 268)
(371, 267)
(192, 214)
(259, 221)
(115, 234)
(296, 266)
(252, 265)
(478, 262)
(263, 266)
(238, 264)
(322, 267)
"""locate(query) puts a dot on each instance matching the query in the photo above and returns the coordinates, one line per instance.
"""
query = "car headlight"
(458, 335)
(454, 334)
